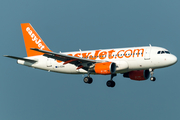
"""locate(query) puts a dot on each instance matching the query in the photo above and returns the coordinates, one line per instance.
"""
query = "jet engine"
(138, 75)
(105, 68)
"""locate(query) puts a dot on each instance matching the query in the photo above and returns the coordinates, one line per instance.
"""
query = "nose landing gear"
(152, 72)
(153, 79)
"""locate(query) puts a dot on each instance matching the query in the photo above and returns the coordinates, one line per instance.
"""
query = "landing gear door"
(147, 53)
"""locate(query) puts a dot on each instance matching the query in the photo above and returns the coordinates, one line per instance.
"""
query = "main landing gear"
(151, 73)
(88, 79)
(109, 83)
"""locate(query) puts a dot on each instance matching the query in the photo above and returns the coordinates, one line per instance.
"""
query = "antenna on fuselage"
(150, 45)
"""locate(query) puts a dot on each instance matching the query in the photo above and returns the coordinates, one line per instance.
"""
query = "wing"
(77, 61)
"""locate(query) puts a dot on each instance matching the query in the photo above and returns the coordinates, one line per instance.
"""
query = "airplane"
(136, 63)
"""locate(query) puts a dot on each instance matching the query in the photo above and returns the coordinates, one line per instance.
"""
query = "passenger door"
(147, 54)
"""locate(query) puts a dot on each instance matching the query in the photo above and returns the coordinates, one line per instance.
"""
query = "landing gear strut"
(111, 83)
(152, 72)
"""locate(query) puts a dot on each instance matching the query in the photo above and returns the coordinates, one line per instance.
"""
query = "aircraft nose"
(172, 59)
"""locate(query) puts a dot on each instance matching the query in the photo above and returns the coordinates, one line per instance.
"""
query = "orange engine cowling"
(105, 68)
(137, 75)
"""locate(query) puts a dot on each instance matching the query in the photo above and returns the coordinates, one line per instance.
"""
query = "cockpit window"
(163, 52)
(159, 52)
(167, 52)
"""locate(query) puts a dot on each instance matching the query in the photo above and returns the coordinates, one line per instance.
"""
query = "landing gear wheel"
(88, 80)
(152, 72)
(153, 79)
(110, 83)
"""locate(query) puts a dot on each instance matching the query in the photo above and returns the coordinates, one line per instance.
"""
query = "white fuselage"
(126, 59)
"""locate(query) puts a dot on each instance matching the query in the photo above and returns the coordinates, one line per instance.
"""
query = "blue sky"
(70, 25)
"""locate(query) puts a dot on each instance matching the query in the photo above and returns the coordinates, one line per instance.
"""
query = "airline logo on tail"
(34, 38)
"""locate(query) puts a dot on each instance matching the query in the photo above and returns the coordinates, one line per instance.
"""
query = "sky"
(70, 25)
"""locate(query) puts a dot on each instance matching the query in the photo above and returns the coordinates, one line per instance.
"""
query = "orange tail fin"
(32, 40)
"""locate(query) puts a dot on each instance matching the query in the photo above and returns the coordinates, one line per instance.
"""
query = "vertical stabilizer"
(32, 40)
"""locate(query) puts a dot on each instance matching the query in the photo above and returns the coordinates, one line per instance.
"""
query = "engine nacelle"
(105, 68)
(24, 62)
(137, 75)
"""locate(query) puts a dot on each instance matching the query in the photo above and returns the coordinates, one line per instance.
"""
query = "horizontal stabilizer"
(19, 58)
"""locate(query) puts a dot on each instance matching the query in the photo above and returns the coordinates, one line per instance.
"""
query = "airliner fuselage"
(126, 59)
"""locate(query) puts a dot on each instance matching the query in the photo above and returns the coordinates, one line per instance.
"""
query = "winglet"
(32, 40)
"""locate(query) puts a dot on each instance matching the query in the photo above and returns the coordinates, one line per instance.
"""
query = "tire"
(88, 80)
(153, 79)
(110, 83)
